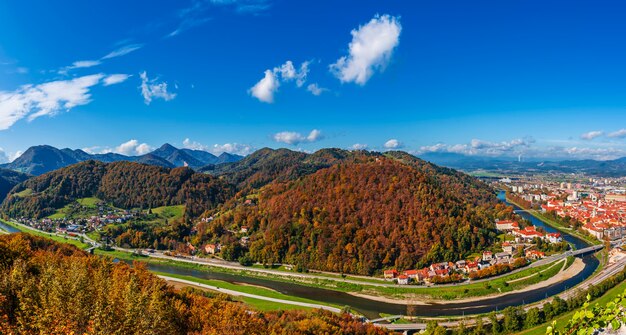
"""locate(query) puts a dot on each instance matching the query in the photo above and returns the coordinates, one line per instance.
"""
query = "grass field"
(261, 291)
(264, 305)
(89, 202)
(88, 207)
(170, 212)
(25, 193)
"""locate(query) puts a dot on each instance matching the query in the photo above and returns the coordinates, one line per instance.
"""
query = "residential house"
(390, 274)
(411, 274)
(506, 225)
(534, 254)
(212, 248)
(507, 247)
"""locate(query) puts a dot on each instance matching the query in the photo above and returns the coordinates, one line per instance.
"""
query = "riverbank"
(562, 274)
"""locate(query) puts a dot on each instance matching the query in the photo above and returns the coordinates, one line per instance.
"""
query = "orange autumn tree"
(50, 288)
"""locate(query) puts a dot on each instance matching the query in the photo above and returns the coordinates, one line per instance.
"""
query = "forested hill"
(276, 165)
(8, 180)
(124, 184)
(390, 210)
(337, 210)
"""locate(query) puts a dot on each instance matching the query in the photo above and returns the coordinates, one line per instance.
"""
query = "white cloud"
(265, 88)
(33, 101)
(591, 135)
(369, 51)
(618, 133)
(124, 50)
(232, 148)
(526, 148)
(15, 155)
(4, 157)
(482, 147)
(315, 89)
(187, 24)
(132, 148)
(81, 64)
(295, 138)
(217, 149)
(358, 146)
(393, 144)
(151, 89)
(591, 153)
(288, 72)
(115, 79)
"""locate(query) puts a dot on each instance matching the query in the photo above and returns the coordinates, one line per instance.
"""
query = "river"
(371, 309)
(8, 228)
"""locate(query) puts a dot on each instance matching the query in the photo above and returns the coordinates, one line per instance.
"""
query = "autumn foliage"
(123, 184)
(360, 217)
(49, 288)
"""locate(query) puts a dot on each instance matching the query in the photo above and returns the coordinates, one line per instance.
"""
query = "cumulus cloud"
(482, 147)
(618, 133)
(33, 101)
(133, 148)
(527, 148)
(593, 153)
(122, 51)
(315, 89)
(7, 157)
(295, 138)
(591, 135)
(392, 144)
(358, 146)
(265, 88)
(369, 51)
(115, 79)
(151, 89)
(217, 149)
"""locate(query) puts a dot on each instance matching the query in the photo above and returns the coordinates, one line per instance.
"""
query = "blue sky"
(499, 78)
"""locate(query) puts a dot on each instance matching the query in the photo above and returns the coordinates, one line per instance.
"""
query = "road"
(249, 295)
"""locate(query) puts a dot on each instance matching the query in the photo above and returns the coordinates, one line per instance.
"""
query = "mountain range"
(600, 168)
(40, 159)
